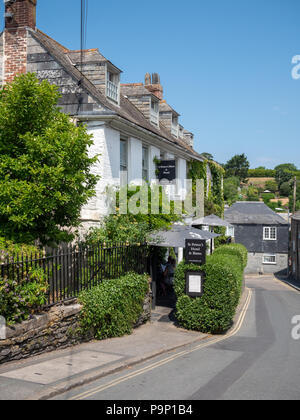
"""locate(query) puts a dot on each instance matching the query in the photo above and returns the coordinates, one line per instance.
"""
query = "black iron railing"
(71, 269)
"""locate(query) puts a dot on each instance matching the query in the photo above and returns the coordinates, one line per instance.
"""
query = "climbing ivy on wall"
(214, 199)
(217, 173)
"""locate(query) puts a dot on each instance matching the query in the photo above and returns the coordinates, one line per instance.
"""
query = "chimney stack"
(19, 16)
(154, 87)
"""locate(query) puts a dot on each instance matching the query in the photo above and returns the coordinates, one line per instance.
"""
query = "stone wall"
(256, 266)
(43, 333)
(56, 329)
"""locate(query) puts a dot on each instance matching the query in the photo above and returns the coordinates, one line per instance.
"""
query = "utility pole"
(295, 195)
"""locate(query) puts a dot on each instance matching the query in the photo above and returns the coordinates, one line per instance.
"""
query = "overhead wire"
(83, 29)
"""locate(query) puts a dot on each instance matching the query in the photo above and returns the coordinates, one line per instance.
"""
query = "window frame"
(269, 256)
(268, 237)
(112, 83)
(145, 159)
(230, 231)
(124, 168)
(154, 112)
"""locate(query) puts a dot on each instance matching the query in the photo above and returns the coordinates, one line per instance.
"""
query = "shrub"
(214, 311)
(45, 164)
(22, 291)
(112, 308)
(234, 249)
(267, 197)
(9, 249)
(20, 299)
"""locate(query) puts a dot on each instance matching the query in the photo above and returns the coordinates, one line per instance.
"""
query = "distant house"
(263, 232)
(295, 247)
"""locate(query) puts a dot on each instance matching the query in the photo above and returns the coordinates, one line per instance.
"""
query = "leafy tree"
(45, 171)
(282, 176)
(252, 194)
(286, 167)
(238, 166)
(207, 156)
(285, 189)
(231, 189)
(233, 180)
(284, 173)
(271, 186)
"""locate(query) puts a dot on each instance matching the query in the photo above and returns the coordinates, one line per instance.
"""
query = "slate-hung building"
(295, 247)
(263, 232)
(131, 124)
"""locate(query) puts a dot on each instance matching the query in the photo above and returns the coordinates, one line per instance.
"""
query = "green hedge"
(214, 311)
(261, 173)
(234, 249)
(113, 307)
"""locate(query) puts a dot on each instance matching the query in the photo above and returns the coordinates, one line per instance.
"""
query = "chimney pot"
(19, 15)
(155, 87)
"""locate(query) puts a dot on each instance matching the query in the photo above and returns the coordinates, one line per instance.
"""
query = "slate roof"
(211, 220)
(126, 109)
(88, 56)
(135, 89)
(254, 213)
(176, 236)
(165, 107)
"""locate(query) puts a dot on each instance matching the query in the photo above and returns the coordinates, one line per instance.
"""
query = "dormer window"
(154, 112)
(113, 86)
(174, 129)
(181, 129)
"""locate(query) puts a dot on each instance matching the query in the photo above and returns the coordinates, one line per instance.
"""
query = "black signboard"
(194, 283)
(167, 170)
(195, 251)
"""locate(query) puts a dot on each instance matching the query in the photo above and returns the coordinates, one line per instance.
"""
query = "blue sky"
(225, 65)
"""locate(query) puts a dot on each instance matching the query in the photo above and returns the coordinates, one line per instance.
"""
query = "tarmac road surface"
(261, 361)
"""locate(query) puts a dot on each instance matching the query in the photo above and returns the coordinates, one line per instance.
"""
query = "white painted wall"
(107, 145)
(135, 156)
(181, 177)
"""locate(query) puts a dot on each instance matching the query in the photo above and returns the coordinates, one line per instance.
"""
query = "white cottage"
(131, 124)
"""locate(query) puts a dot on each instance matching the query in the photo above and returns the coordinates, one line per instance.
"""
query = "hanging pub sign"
(194, 283)
(195, 251)
(167, 170)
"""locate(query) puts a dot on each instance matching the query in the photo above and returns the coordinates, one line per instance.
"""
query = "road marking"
(287, 285)
(155, 365)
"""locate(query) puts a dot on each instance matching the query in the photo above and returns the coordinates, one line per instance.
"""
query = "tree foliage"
(231, 189)
(286, 167)
(133, 228)
(207, 156)
(271, 185)
(45, 170)
(238, 166)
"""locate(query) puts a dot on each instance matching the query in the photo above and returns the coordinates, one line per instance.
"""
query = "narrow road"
(262, 361)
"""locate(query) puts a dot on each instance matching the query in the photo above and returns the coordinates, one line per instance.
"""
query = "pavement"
(293, 283)
(289, 281)
(48, 375)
